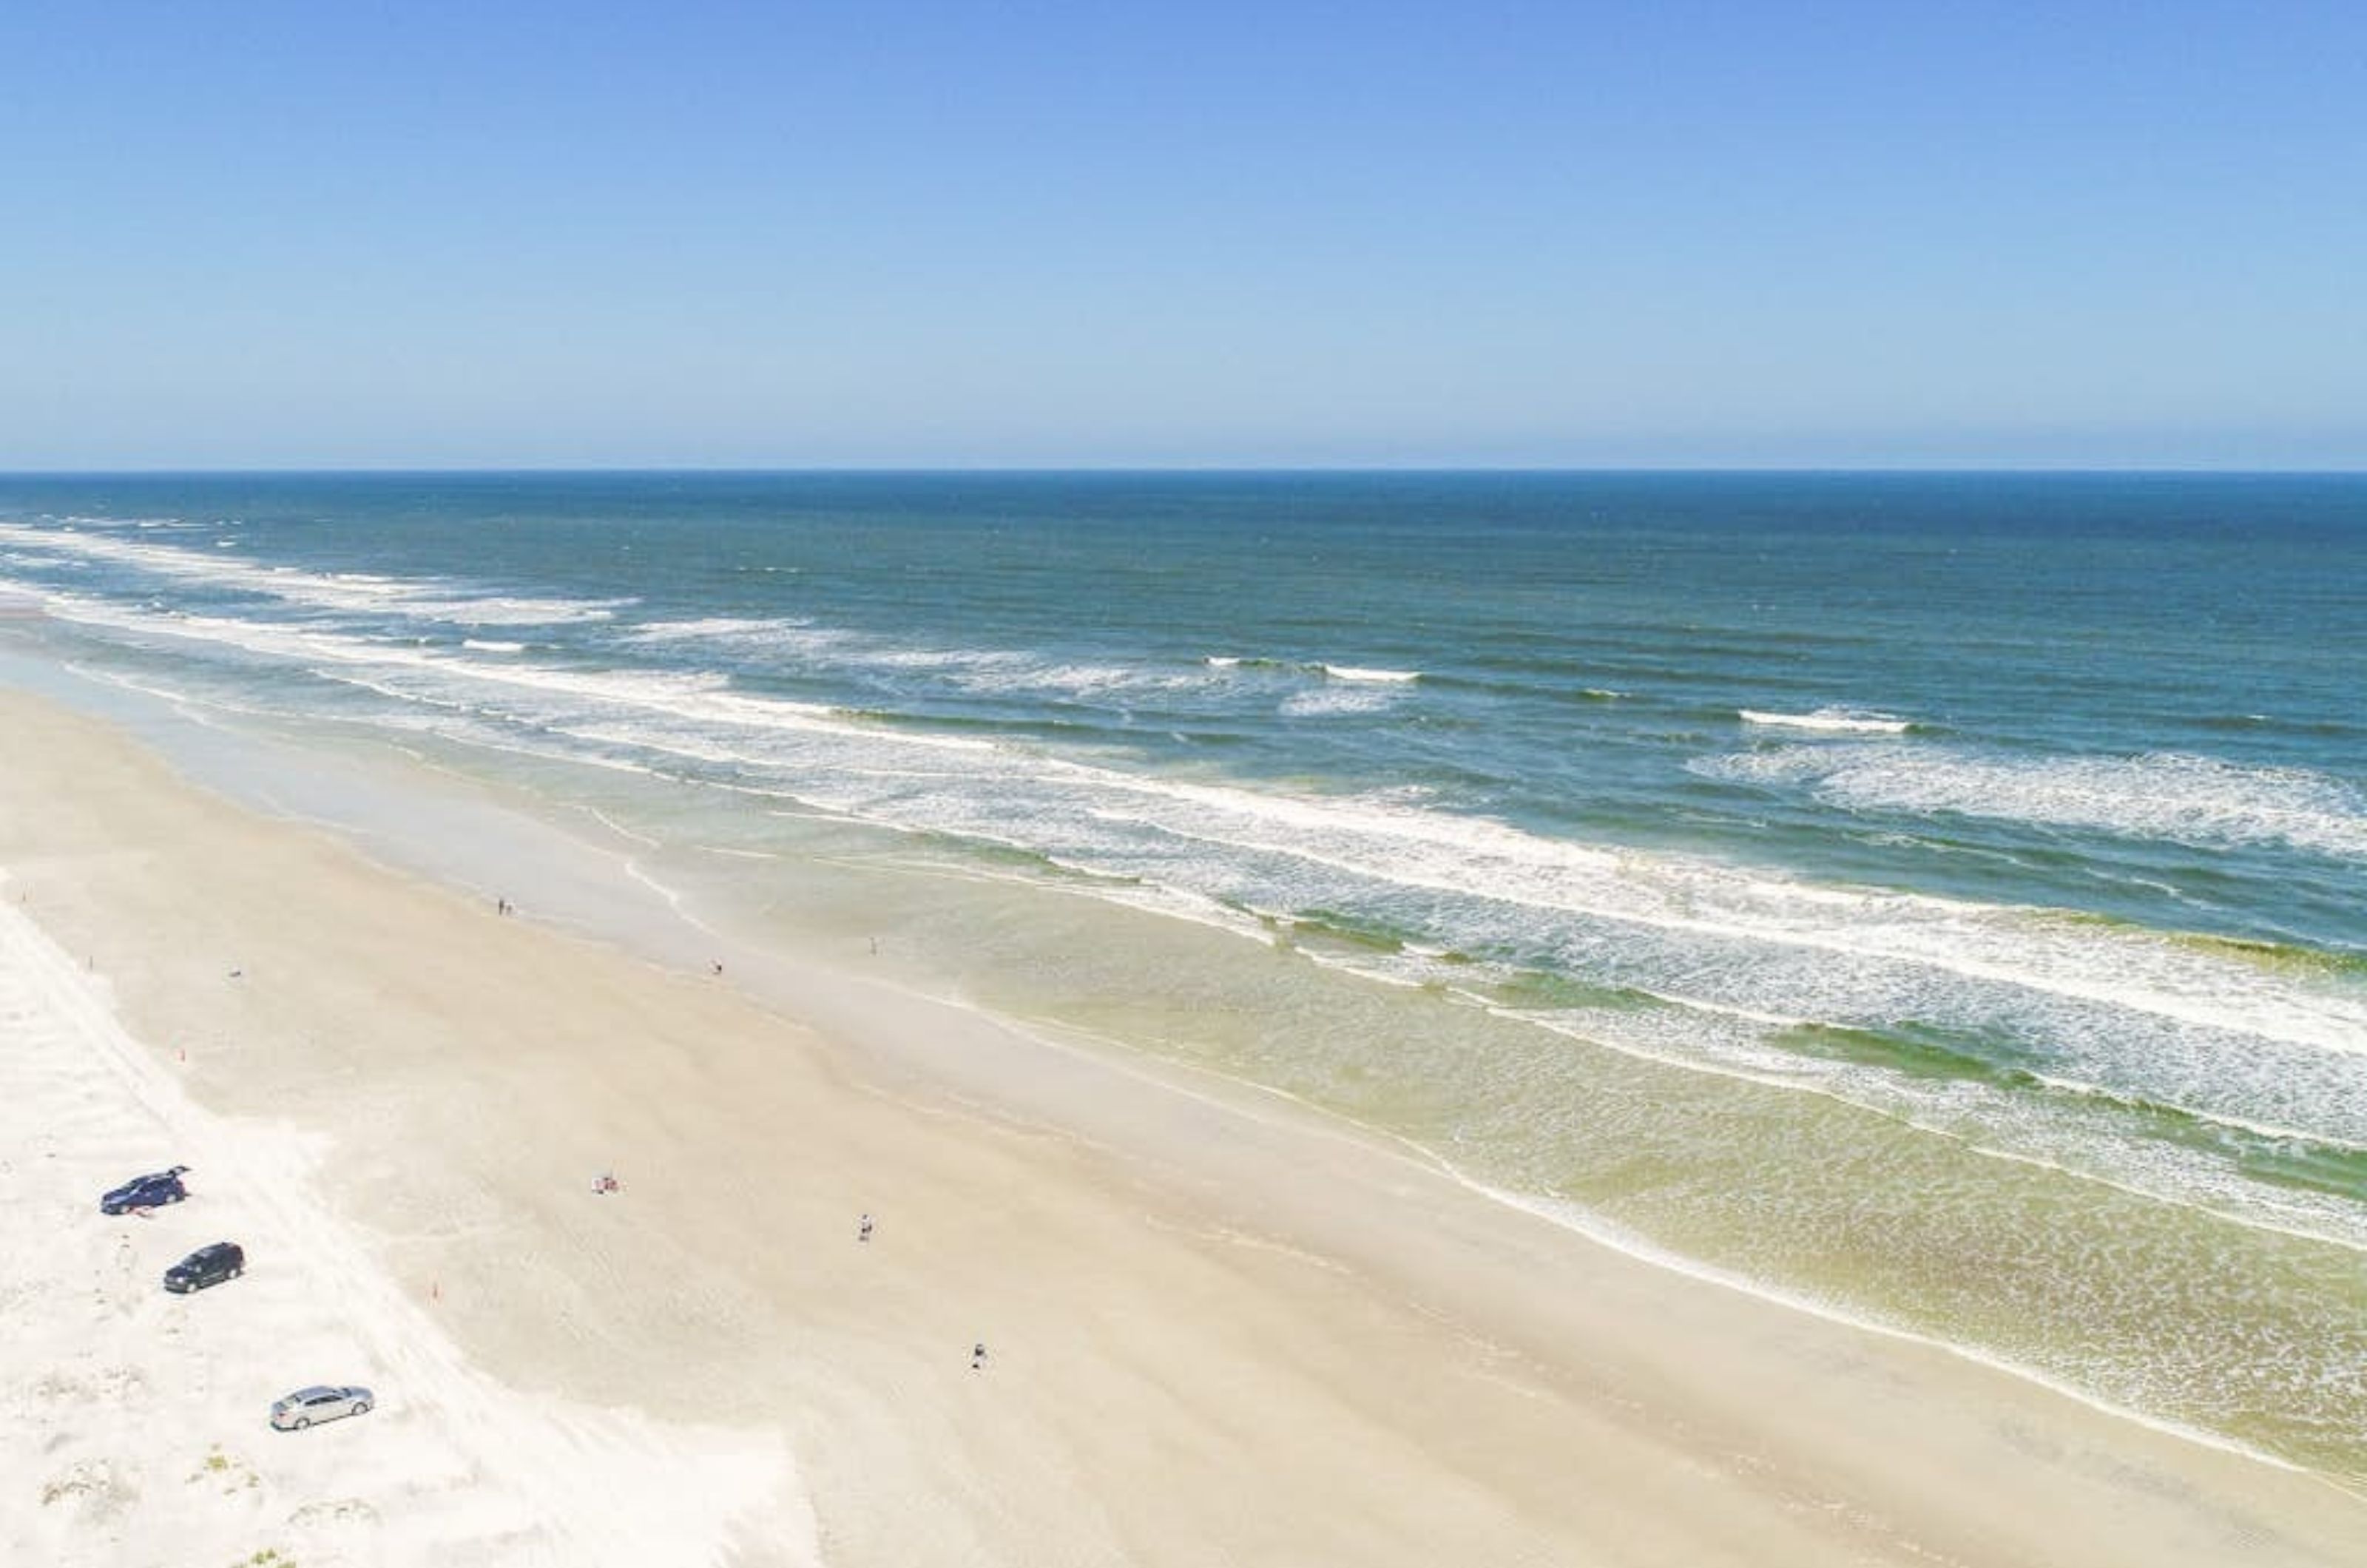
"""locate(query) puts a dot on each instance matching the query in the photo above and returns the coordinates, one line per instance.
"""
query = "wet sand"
(1216, 1331)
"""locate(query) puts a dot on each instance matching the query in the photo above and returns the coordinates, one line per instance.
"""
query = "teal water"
(1934, 898)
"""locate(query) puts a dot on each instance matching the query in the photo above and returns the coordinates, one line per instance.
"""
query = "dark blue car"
(206, 1266)
(152, 1190)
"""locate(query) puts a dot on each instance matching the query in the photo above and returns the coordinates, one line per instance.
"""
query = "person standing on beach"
(977, 1356)
(863, 1228)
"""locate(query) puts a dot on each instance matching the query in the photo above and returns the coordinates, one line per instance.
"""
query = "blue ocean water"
(1936, 896)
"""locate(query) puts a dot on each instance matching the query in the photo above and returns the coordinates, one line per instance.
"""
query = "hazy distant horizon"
(2001, 469)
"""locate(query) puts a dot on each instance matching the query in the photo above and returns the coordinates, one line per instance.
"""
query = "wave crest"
(2176, 796)
(1847, 721)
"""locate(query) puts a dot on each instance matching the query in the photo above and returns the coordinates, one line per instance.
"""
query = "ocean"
(1934, 900)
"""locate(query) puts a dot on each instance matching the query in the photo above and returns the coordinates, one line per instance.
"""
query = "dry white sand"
(133, 1422)
(1216, 1335)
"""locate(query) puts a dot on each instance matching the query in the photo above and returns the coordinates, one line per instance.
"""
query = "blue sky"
(967, 234)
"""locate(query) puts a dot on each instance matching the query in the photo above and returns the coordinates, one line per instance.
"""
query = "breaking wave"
(2200, 802)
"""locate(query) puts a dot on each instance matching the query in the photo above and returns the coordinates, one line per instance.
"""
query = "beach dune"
(1216, 1330)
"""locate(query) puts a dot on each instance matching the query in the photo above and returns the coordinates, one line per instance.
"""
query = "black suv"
(152, 1190)
(206, 1266)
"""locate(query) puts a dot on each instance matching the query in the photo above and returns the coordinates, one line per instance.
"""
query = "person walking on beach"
(863, 1228)
(977, 1356)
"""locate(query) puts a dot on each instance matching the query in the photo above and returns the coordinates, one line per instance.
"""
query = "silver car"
(307, 1406)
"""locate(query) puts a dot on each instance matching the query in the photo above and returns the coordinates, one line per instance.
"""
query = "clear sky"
(911, 233)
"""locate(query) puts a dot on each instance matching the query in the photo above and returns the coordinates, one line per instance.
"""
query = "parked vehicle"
(307, 1406)
(152, 1190)
(206, 1266)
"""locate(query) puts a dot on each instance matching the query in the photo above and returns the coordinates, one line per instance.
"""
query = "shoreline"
(1362, 1360)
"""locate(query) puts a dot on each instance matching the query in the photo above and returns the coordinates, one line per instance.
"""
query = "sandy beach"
(1216, 1331)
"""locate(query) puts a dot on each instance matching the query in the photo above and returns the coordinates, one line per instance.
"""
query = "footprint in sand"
(328, 1527)
(90, 1489)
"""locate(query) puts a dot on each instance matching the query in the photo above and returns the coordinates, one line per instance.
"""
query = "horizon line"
(1115, 469)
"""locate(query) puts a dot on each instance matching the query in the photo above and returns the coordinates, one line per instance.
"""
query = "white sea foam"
(743, 633)
(2072, 1136)
(347, 592)
(998, 671)
(694, 695)
(1302, 670)
(506, 610)
(1859, 938)
(1338, 700)
(1716, 934)
(1051, 678)
(1733, 954)
(993, 672)
(79, 521)
(1849, 721)
(2175, 796)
